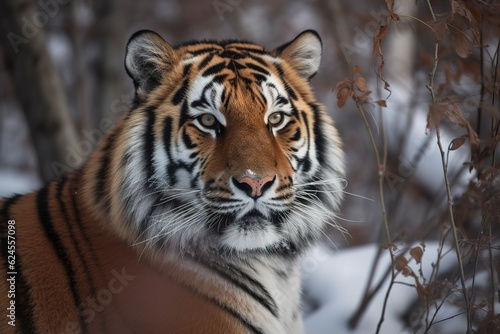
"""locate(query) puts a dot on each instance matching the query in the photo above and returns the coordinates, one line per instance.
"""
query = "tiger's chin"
(252, 233)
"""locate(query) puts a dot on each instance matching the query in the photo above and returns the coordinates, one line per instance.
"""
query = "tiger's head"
(225, 148)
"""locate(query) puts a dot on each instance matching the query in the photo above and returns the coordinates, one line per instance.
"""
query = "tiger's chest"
(196, 296)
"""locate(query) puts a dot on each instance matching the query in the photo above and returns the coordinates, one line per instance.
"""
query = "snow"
(15, 182)
(335, 282)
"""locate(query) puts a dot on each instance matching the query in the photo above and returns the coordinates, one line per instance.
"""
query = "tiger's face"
(238, 154)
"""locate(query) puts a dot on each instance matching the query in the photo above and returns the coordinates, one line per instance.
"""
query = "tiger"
(192, 213)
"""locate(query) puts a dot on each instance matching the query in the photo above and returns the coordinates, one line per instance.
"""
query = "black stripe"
(187, 70)
(227, 100)
(219, 78)
(58, 246)
(319, 136)
(149, 143)
(258, 68)
(205, 61)
(100, 187)
(184, 117)
(288, 89)
(296, 135)
(225, 307)
(167, 141)
(230, 54)
(236, 65)
(259, 77)
(181, 92)
(202, 101)
(187, 140)
(305, 162)
(249, 49)
(214, 69)
(24, 302)
(74, 241)
(258, 59)
(77, 215)
(281, 100)
(266, 300)
(205, 50)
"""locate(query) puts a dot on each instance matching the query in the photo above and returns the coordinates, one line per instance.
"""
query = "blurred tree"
(36, 82)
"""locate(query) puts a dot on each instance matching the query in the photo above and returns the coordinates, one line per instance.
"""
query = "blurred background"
(63, 83)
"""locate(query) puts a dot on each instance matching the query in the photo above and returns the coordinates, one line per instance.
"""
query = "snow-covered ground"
(333, 282)
(14, 182)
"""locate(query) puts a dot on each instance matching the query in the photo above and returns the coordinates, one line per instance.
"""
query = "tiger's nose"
(254, 186)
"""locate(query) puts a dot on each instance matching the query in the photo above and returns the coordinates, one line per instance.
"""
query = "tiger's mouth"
(252, 221)
(250, 232)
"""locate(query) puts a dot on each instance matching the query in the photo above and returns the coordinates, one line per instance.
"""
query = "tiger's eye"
(207, 120)
(276, 118)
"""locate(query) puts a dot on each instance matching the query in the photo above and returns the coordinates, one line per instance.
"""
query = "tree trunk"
(37, 84)
(110, 71)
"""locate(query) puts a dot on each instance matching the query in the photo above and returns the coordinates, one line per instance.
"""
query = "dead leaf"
(381, 103)
(435, 115)
(400, 262)
(357, 69)
(457, 143)
(473, 137)
(377, 53)
(407, 272)
(417, 253)
(345, 91)
(360, 83)
(470, 13)
(440, 28)
(343, 95)
(461, 45)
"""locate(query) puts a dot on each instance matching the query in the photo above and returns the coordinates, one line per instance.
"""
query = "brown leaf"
(345, 91)
(381, 103)
(469, 12)
(457, 143)
(360, 83)
(461, 45)
(407, 272)
(357, 69)
(400, 262)
(435, 115)
(377, 40)
(342, 96)
(473, 136)
(473, 15)
(440, 28)
(377, 54)
(417, 253)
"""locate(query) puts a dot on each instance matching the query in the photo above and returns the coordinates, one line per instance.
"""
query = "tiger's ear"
(303, 53)
(148, 56)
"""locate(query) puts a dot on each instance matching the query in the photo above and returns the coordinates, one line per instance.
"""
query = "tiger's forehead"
(229, 80)
(222, 75)
(239, 53)
(197, 48)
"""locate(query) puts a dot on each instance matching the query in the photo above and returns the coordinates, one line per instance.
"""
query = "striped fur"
(191, 214)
